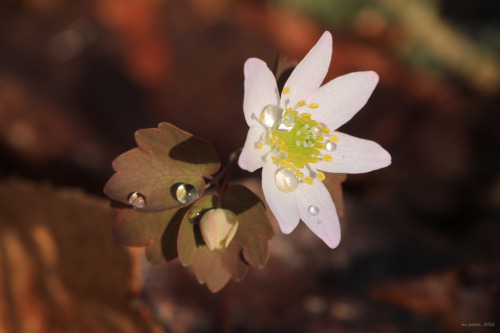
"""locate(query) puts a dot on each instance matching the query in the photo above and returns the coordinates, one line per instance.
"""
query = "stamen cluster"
(296, 141)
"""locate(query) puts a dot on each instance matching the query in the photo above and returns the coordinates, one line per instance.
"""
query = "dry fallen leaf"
(60, 271)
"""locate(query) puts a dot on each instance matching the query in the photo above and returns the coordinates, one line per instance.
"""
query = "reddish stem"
(221, 180)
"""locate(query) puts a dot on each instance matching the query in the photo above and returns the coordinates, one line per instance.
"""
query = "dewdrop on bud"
(218, 227)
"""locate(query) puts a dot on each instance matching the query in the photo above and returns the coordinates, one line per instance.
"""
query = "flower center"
(297, 141)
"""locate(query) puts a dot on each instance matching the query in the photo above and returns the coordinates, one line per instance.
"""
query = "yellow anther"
(321, 176)
(288, 109)
(299, 174)
(300, 103)
(320, 145)
(326, 130)
(296, 163)
(294, 112)
(288, 165)
(305, 115)
(308, 180)
(259, 146)
(286, 90)
(327, 157)
(313, 105)
(333, 138)
(281, 142)
(261, 118)
(275, 161)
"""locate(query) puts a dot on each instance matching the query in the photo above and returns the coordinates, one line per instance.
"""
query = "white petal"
(260, 89)
(309, 73)
(282, 204)
(251, 157)
(354, 155)
(326, 223)
(340, 99)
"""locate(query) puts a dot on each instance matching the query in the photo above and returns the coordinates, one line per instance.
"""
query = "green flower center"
(297, 141)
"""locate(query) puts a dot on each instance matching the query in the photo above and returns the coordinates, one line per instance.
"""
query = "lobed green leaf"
(248, 247)
(165, 158)
(157, 231)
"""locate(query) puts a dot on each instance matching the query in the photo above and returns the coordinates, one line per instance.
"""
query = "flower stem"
(233, 161)
(221, 180)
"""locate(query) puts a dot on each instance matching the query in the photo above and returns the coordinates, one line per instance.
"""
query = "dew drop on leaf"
(194, 214)
(313, 211)
(137, 200)
(186, 193)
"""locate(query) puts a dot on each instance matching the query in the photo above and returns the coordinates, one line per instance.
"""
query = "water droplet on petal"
(137, 200)
(186, 193)
(313, 210)
(283, 154)
(286, 124)
(270, 115)
(315, 130)
(330, 146)
(286, 180)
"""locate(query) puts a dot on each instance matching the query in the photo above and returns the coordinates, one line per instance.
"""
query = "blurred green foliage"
(454, 45)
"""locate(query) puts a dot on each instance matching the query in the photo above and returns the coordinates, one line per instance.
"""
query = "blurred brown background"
(420, 240)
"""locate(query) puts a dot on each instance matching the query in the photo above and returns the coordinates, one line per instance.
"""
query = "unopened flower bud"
(218, 227)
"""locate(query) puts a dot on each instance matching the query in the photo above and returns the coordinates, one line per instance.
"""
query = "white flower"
(291, 138)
